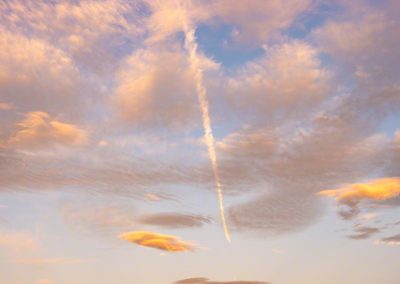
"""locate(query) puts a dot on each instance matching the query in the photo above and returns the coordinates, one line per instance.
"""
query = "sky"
(199, 141)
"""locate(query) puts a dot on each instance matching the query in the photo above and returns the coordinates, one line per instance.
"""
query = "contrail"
(191, 47)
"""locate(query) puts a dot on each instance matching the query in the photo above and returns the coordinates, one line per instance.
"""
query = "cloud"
(289, 79)
(35, 75)
(155, 89)
(91, 169)
(79, 27)
(392, 240)
(40, 130)
(158, 241)
(167, 17)
(300, 124)
(362, 232)
(256, 21)
(174, 220)
(274, 214)
(201, 280)
(292, 166)
(249, 144)
(252, 21)
(370, 59)
(351, 195)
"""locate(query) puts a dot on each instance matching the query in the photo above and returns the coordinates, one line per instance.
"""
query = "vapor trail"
(191, 47)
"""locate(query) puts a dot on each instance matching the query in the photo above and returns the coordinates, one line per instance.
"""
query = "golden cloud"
(157, 241)
(378, 189)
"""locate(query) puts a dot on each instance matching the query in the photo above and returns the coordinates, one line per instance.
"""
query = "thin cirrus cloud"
(158, 241)
(202, 280)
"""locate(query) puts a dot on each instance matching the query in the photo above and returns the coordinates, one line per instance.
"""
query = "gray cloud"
(395, 240)
(363, 232)
(174, 220)
(202, 280)
(275, 214)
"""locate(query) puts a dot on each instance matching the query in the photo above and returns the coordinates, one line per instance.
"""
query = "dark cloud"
(392, 240)
(202, 280)
(174, 220)
(361, 232)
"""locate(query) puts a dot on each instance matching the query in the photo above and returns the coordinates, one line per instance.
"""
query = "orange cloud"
(157, 241)
(38, 129)
(378, 189)
(351, 195)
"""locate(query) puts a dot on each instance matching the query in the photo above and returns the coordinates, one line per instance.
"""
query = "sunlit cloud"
(351, 195)
(155, 88)
(39, 130)
(158, 241)
(379, 189)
